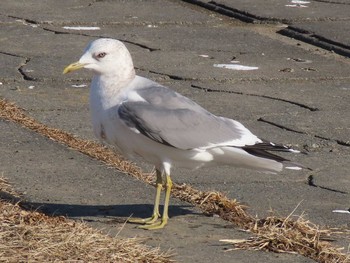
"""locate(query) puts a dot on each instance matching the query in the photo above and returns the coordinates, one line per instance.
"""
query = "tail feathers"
(261, 150)
(270, 146)
(263, 154)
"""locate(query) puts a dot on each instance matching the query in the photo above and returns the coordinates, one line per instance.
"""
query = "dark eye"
(101, 55)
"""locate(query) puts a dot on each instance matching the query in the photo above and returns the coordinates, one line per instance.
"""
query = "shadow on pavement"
(135, 210)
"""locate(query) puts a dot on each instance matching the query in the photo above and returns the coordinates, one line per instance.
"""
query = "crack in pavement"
(249, 79)
(24, 75)
(281, 126)
(170, 76)
(290, 31)
(106, 23)
(11, 54)
(55, 31)
(247, 17)
(257, 95)
(339, 142)
(316, 40)
(332, 2)
(26, 20)
(233, 12)
(311, 182)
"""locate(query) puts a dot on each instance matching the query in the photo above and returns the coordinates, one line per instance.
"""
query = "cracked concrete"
(257, 95)
(299, 96)
(340, 142)
(279, 11)
(318, 40)
(24, 73)
(317, 22)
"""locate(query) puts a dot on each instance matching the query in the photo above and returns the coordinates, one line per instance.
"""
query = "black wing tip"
(270, 146)
(263, 149)
(263, 153)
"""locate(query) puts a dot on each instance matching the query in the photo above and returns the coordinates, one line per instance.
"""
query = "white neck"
(105, 91)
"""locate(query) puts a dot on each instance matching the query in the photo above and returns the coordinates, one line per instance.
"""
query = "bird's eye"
(101, 55)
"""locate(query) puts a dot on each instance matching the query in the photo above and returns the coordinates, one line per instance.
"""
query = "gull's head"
(104, 56)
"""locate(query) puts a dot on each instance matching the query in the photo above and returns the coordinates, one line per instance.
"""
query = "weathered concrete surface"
(336, 31)
(299, 95)
(287, 10)
(321, 23)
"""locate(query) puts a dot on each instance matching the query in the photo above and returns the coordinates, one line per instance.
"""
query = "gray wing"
(174, 120)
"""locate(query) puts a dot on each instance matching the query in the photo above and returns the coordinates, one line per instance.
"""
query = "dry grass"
(30, 236)
(285, 231)
(273, 233)
(6, 188)
(298, 235)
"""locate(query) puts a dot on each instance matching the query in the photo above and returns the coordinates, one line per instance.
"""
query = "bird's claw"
(156, 225)
(147, 221)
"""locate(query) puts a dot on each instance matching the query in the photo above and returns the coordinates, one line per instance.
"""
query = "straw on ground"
(30, 236)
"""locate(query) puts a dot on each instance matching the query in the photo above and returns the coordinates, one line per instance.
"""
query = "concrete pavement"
(298, 95)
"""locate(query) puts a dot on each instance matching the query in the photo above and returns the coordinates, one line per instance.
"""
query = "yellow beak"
(72, 67)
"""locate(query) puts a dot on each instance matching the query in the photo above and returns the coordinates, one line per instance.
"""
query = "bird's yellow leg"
(155, 214)
(164, 219)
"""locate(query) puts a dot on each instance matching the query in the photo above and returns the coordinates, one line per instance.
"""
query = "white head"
(107, 57)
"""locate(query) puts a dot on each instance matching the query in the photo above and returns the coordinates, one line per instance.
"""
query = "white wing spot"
(134, 96)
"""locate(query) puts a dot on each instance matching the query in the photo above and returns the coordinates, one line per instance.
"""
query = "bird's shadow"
(125, 210)
(90, 211)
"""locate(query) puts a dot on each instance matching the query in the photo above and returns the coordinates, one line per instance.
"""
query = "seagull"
(143, 118)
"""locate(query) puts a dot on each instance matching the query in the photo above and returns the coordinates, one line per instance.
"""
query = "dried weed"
(30, 236)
